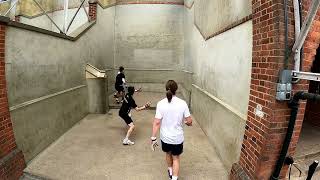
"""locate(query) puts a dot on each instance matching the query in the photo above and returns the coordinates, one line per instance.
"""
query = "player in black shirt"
(120, 84)
(124, 113)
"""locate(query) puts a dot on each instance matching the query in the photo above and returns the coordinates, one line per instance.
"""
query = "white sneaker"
(127, 142)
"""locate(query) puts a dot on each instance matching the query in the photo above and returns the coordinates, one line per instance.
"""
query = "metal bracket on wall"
(306, 75)
(306, 25)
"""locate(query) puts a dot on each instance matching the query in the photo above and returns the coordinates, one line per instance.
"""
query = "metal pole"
(306, 25)
(297, 32)
(66, 7)
(75, 15)
(84, 8)
(48, 16)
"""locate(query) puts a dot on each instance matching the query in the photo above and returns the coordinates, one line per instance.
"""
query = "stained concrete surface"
(149, 36)
(92, 149)
(212, 16)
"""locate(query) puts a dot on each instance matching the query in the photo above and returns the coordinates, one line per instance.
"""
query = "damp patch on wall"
(212, 16)
(153, 55)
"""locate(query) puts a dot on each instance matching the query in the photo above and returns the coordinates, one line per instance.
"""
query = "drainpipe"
(294, 106)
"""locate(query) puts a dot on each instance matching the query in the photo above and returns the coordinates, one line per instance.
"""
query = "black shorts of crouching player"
(127, 105)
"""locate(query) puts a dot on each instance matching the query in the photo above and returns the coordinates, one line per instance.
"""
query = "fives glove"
(138, 90)
(154, 143)
(147, 105)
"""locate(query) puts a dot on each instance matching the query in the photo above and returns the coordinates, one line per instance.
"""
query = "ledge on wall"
(72, 37)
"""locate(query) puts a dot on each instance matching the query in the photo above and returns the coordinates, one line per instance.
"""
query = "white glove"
(154, 143)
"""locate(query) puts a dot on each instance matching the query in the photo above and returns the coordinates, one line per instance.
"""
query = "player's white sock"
(174, 177)
(170, 170)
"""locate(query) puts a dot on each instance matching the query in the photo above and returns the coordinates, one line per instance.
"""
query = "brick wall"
(264, 136)
(11, 159)
(93, 10)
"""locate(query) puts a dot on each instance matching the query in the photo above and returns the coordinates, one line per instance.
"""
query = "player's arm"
(147, 105)
(187, 116)
(155, 127)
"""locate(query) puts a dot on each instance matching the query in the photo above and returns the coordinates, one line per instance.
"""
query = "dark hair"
(131, 90)
(171, 88)
(121, 68)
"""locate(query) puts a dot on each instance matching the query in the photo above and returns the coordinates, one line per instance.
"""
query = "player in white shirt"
(171, 114)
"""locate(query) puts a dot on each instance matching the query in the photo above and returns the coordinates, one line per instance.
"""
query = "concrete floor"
(308, 150)
(309, 141)
(93, 149)
(141, 98)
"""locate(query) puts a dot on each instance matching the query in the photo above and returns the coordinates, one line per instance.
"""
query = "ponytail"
(171, 88)
(169, 95)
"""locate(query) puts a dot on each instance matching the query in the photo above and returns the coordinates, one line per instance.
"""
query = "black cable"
(294, 106)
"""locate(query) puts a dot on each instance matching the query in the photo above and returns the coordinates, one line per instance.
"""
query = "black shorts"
(119, 88)
(126, 118)
(174, 149)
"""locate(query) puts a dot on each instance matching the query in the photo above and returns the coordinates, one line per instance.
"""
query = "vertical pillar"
(93, 10)
(11, 158)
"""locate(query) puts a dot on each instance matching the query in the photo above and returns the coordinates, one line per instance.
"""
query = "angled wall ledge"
(229, 27)
(72, 37)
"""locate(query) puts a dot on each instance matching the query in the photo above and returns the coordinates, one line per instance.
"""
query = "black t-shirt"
(119, 77)
(128, 103)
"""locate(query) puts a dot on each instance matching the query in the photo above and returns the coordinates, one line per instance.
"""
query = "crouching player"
(124, 113)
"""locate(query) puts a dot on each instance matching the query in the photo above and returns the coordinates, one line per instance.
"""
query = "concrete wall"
(149, 44)
(212, 16)
(45, 82)
(220, 94)
(149, 36)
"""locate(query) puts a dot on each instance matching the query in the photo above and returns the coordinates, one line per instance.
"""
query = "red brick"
(260, 155)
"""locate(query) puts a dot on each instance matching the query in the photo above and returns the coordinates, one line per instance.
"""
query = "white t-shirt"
(172, 117)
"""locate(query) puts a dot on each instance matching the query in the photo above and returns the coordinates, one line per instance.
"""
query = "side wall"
(47, 85)
(220, 91)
